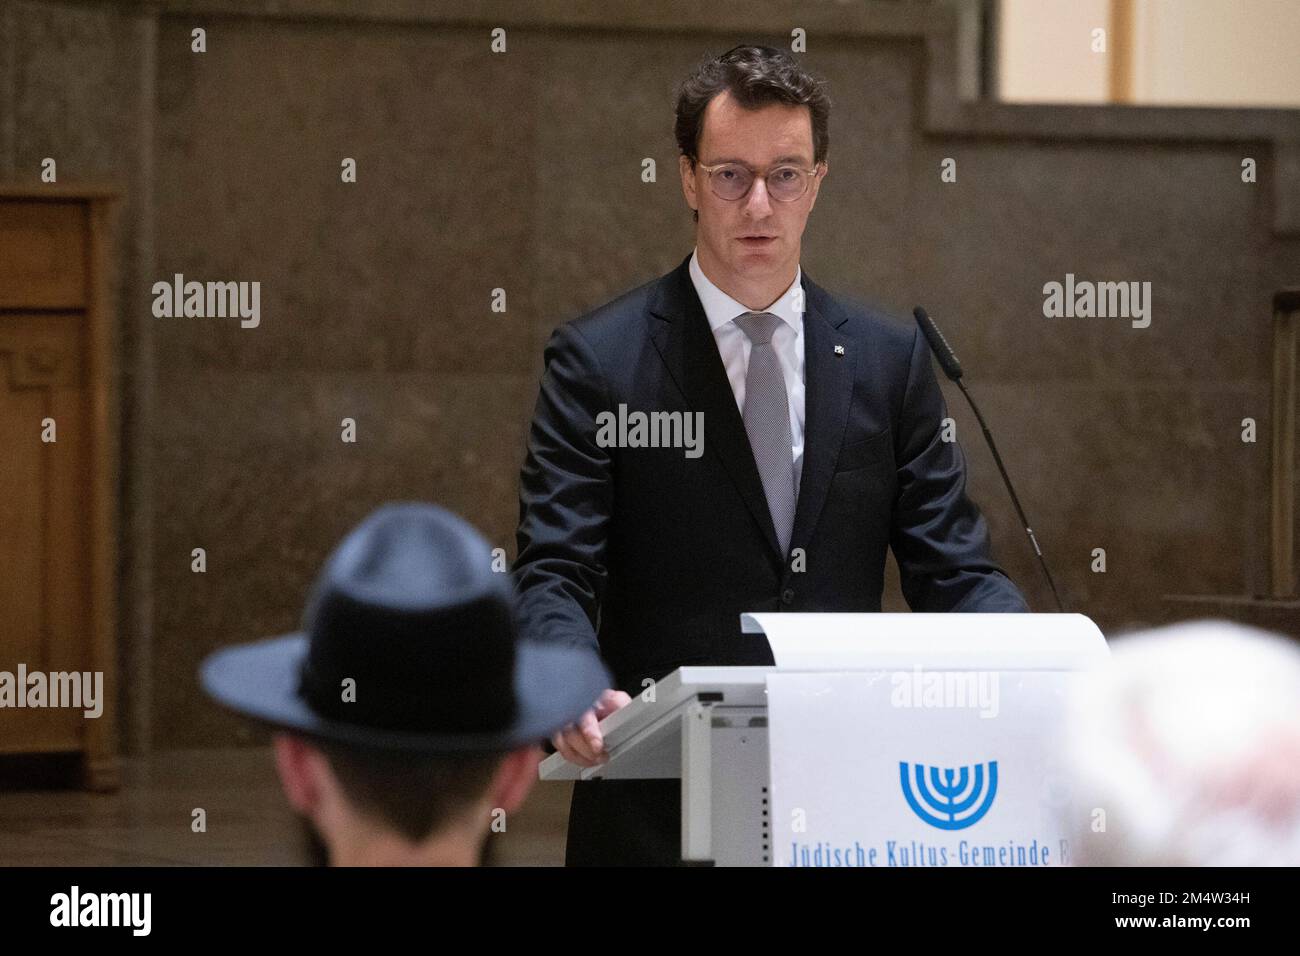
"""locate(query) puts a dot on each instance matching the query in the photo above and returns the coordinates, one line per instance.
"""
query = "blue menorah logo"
(949, 793)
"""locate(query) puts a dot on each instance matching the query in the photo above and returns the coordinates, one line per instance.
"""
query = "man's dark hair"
(415, 795)
(755, 76)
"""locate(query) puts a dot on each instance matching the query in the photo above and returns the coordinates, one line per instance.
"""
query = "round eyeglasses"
(732, 181)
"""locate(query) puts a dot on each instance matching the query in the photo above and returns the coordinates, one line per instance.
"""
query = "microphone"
(938, 344)
(952, 368)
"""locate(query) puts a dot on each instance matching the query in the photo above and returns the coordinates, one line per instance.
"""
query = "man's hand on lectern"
(582, 743)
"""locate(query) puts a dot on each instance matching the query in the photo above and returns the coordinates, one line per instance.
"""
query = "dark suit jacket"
(649, 557)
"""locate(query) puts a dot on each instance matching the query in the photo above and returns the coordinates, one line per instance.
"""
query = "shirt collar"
(721, 308)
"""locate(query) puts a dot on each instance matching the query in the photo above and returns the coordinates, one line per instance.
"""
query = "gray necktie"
(767, 421)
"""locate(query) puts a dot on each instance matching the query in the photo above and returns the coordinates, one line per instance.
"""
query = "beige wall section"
(1217, 52)
(1045, 51)
(1202, 53)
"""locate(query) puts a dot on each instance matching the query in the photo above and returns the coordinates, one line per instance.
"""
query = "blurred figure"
(412, 715)
(1185, 750)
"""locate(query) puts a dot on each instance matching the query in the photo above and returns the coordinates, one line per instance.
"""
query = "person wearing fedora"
(408, 713)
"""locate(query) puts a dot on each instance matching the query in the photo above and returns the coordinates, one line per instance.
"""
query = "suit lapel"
(686, 344)
(828, 390)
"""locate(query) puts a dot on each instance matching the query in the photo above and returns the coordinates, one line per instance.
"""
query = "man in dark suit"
(821, 448)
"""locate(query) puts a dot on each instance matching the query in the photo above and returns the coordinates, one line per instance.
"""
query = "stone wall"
(522, 171)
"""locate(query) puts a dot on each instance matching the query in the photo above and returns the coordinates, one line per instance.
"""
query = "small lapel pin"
(839, 350)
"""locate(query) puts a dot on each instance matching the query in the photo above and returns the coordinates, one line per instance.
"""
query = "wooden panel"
(57, 500)
(68, 565)
(43, 730)
(42, 255)
(45, 548)
(100, 736)
(1286, 332)
(22, 487)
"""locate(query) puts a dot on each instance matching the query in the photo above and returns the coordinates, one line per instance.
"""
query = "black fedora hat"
(409, 644)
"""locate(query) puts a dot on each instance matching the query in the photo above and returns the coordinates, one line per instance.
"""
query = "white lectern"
(876, 739)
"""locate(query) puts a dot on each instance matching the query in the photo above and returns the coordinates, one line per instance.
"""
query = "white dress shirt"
(734, 346)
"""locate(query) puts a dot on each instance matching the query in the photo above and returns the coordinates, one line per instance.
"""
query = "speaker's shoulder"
(609, 328)
(867, 322)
